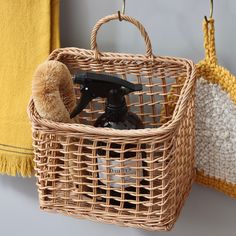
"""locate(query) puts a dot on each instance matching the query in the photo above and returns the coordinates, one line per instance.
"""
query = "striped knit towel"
(215, 120)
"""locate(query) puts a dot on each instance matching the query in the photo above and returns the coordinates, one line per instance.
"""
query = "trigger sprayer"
(105, 86)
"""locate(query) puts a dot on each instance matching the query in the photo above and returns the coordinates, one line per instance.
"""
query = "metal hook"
(211, 10)
(123, 7)
(123, 11)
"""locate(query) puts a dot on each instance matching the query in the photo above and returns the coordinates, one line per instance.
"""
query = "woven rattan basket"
(162, 163)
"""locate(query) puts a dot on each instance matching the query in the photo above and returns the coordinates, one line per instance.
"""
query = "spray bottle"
(116, 116)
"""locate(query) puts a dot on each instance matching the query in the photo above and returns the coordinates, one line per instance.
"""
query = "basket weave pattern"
(70, 177)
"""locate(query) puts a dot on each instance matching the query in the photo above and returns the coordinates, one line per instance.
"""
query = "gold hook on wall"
(123, 7)
(211, 10)
(123, 11)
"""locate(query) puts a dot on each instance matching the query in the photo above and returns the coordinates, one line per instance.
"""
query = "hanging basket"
(73, 162)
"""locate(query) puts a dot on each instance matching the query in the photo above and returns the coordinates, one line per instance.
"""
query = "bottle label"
(117, 173)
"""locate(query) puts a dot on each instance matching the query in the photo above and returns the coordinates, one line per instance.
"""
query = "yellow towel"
(29, 31)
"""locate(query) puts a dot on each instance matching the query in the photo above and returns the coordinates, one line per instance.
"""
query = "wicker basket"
(162, 155)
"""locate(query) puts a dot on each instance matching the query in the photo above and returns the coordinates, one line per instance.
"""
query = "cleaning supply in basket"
(53, 92)
(54, 98)
(113, 172)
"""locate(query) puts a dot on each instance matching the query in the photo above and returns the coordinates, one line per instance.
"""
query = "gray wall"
(175, 29)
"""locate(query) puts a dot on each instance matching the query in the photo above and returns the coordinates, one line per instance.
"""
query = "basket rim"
(167, 128)
(59, 53)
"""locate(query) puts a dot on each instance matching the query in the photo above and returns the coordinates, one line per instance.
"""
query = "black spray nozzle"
(93, 85)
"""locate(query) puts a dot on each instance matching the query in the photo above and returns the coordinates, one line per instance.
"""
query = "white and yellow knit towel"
(215, 120)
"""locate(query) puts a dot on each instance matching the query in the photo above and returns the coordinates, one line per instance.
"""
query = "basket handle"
(120, 17)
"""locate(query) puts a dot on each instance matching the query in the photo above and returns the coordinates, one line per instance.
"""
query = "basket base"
(93, 218)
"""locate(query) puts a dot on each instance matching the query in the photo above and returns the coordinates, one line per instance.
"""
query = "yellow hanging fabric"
(29, 32)
(215, 120)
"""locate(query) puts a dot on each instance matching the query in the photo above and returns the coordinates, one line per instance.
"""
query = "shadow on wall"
(23, 186)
